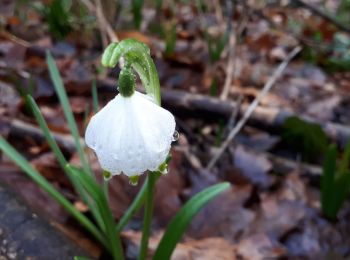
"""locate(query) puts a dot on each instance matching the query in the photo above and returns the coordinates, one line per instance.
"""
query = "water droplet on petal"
(176, 136)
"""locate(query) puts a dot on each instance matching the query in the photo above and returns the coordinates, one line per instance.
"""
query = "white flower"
(131, 134)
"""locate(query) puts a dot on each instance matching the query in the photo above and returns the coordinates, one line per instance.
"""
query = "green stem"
(152, 177)
(105, 188)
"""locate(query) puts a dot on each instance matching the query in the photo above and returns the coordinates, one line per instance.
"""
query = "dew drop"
(176, 136)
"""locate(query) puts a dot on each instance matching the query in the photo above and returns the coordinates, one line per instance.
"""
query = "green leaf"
(49, 138)
(100, 199)
(137, 11)
(327, 181)
(58, 17)
(341, 191)
(62, 95)
(344, 164)
(307, 138)
(180, 222)
(46, 186)
(60, 157)
(170, 38)
(94, 96)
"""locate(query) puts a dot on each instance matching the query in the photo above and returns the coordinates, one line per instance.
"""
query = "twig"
(322, 14)
(231, 52)
(100, 17)
(232, 64)
(105, 25)
(253, 105)
(14, 38)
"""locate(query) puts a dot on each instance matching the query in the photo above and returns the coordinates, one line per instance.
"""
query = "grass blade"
(327, 181)
(101, 201)
(180, 222)
(94, 96)
(344, 164)
(62, 95)
(60, 157)
(46, 186)
(341, 188)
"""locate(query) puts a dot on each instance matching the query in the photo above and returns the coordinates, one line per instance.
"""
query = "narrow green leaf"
(344, 164)
(136, 204)
(94, 96)
(62, 95)
(341, 191)
(60, 157)
(49, 138)
(327, 181)
(46, 186)
(180, 222)
(98, 196)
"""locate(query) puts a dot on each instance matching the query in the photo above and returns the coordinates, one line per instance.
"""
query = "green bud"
(126, 82)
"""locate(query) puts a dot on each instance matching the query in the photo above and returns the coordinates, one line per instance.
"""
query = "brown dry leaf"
(323, 110)
(281, 211)
(205, 249)
(224, 216)
(168, 190)
(78, 104)
(253, 166)
(259, 247)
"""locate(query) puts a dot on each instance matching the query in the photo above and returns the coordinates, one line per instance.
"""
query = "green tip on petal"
(163, 168)
(107, 175)
(134, 180)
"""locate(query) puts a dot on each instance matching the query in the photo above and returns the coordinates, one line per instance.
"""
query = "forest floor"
(274, 164)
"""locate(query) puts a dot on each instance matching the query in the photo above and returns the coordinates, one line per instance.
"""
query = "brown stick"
(21, 128)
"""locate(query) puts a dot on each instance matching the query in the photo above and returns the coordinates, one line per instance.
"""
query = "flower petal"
(131, 134)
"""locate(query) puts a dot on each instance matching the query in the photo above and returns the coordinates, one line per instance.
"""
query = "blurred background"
(214, 58)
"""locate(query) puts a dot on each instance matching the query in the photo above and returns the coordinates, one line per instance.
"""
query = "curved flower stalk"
(137, 55)
(131, 134)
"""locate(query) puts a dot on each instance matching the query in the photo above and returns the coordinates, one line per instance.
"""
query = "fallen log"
(184, 104)
(20, 128)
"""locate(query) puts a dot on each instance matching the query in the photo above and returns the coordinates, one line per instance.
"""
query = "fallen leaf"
(253, 166)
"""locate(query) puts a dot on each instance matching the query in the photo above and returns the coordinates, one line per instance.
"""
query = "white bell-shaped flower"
(131, 134)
